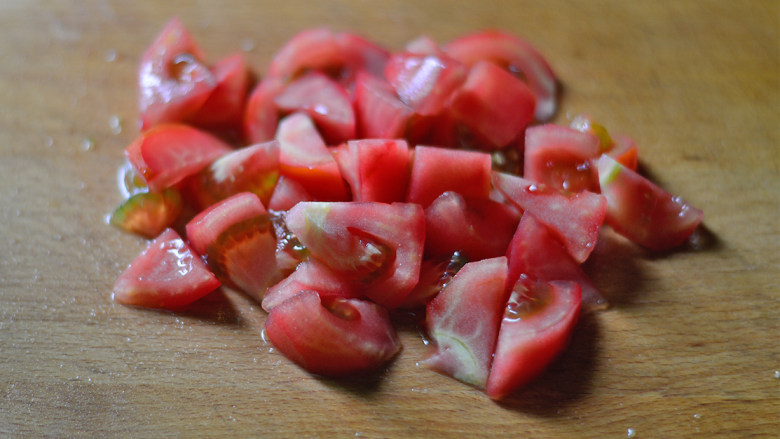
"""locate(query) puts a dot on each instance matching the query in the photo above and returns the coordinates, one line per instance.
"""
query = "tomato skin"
(514, 54)
(463, 321)
(438, 170)
(494, 104)
(379, 244)
(287, 193)
(536, 328)
(167, 153)
(167, 274)
(642, 211)
(173, 81)
(332, 336)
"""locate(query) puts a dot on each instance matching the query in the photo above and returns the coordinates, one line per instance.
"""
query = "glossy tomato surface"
(332, 336)
(536, 327)
(167, 274)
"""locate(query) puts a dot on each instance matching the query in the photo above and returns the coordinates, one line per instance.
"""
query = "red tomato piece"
(516, 55)
(561, 157)
(463, 321)
(168, 153)
(173, 81)
(620, 147)
(332, 336)
(360, 55)
(204, 229)
(376, 169)
(494, 104)
(167, 274)
(253, 169)
(537, 254)
(380, 245)
(537, 325)
(643, 212)
(310, 275)
(325, 101)
(424, 82)
(239, 243)
(305, 158)
(379, 112)
(574, 218)
(311, 49)
(438, 170)
(225, 105)
(261, 116)
(479, 228)
(287, 194)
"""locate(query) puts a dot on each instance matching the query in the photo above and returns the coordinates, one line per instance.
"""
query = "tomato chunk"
(536, 328)
(463, 321)
(380, 245)
(438, 170)
(168, 153)
(562, 157)
(173, 81)
(332, 336)
(167, 274)
(643, 212)
(424, 82)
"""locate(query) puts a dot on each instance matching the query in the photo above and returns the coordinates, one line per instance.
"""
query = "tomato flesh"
(537, 325)
(332, 336)
(463, 321)
(167, 274)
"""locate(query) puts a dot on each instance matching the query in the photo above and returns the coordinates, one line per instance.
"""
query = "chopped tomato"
(424, 82)
(287, 193)
(224, 107)
(376, 169)
(172, 78)
(325, 101)
(261, 116)
(332, 336)
(463, 321)
(305, 158)
(167, 274)
(148, 213)
(379, 112)
(168, 153)
(643, 212)
(380, 245)
(561, 157)
(537, 325)
(438, 170)
(494, 104)
(537, 254)
(310, 275)
(516, 55)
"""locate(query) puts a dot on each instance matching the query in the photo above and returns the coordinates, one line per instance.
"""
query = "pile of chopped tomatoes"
(352, 181)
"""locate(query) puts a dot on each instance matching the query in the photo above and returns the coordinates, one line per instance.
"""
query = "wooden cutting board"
(689, 347)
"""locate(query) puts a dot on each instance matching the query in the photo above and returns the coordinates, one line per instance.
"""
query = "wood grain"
(689, 347)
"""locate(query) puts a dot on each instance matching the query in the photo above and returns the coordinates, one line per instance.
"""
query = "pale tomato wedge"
(537, 325)
(463, 321)
(167, 274)
(643, 212)
(173, 81)
(332, 336)
(516, 55)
